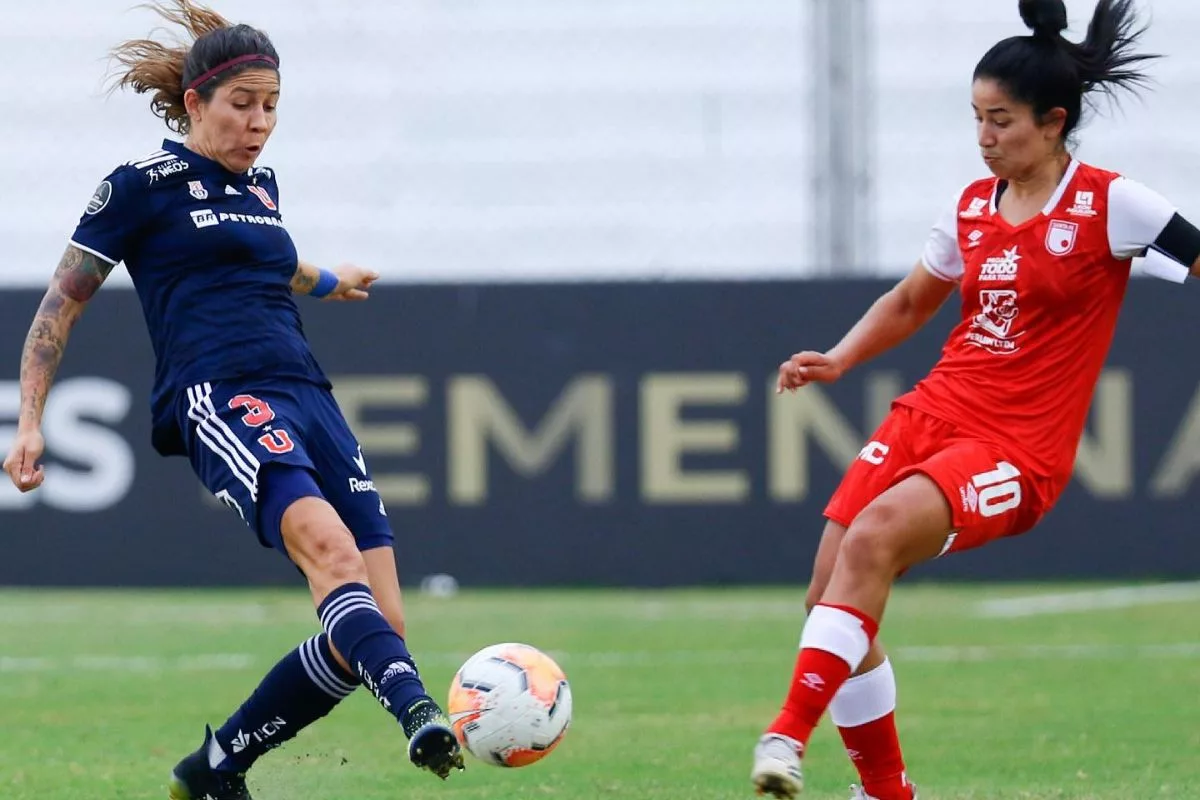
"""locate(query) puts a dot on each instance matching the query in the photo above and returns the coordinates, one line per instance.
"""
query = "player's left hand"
(354, 283)
(805, 368)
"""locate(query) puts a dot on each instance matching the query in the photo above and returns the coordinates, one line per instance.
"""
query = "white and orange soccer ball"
(510, 705)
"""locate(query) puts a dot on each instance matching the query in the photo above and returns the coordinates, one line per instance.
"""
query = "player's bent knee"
(321, 545)
(872, 544)
(336, 559)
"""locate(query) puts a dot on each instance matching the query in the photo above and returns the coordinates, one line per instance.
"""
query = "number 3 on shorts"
(999, 490)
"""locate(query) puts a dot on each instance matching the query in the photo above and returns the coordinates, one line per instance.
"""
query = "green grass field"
(101, 692)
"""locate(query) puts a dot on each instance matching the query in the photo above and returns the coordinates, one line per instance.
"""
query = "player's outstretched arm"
(894, 317)
(347, 282)
(76, 280)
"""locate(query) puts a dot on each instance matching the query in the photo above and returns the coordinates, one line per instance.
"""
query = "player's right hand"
(21, 464)
(354, 283)
(805, 368)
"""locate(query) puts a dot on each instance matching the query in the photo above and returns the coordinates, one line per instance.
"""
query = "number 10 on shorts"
(994, 492)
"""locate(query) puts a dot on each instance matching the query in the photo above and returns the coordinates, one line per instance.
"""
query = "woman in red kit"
(983, 446)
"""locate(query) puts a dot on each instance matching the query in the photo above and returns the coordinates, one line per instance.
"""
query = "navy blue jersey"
(212, 264)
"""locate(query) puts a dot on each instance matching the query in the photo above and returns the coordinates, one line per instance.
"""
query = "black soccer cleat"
(432, 744)
(194, 779)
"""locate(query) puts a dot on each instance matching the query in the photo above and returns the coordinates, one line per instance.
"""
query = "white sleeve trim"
(96, 253)
(934, 272)
(942, 256)
(1136, 216)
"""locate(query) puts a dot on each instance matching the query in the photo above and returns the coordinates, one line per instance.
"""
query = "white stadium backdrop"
(503, 140)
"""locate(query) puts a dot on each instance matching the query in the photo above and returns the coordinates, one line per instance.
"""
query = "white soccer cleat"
(857, 793)
(777, 767)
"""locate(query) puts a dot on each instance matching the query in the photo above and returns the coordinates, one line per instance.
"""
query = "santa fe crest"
(1060, 238)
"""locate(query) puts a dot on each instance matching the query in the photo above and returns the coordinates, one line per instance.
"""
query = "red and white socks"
(834, 642)
(864, 710)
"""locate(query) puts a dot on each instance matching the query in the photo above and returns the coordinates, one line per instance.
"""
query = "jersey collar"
(203, 163)
(1055, 198)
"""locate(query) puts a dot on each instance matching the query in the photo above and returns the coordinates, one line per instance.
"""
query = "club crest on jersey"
(975, 209)
(1060, 236)
(196, 189)
(261, 194)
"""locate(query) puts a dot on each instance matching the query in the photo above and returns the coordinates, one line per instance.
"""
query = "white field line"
(156, 613)
(936, 653)
(168, 613)
(1050, 652)
(226, 662)
(1096, 600)
(210, 662)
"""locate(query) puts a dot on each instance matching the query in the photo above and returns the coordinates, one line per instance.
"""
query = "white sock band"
(865, 698)
(837, 632)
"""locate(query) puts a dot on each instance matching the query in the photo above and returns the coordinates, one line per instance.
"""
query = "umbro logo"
(813, 681)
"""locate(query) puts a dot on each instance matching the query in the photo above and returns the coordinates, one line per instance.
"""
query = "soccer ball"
(510, 705)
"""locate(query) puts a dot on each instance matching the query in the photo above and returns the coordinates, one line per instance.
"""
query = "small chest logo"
(1083, 205)
(975, 209)
(196, 189)
(204, 218)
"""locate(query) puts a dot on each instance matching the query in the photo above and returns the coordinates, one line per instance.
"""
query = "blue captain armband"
(325, 284)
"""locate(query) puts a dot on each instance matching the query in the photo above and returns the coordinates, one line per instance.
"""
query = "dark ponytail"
(1046, 19)
(1047, 71)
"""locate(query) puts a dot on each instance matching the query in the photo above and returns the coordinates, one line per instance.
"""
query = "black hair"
(1046, 71)
(169, 71)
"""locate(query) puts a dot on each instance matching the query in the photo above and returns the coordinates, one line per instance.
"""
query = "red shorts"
(990, 494)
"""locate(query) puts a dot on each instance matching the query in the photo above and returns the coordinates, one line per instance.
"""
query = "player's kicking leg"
(319, 543)
(431, 742)
(863, 710)
(303, 687)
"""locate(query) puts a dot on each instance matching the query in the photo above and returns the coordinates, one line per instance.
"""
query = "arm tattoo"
(80, 274)
(75, 281)
(305, 279)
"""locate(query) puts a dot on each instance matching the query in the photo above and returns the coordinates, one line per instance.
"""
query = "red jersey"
(1039, 306)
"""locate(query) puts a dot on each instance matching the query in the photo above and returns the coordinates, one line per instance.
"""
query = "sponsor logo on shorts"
(874, 453)
(358, 486)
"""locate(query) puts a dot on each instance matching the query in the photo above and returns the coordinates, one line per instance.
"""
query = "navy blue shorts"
(234, 429)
